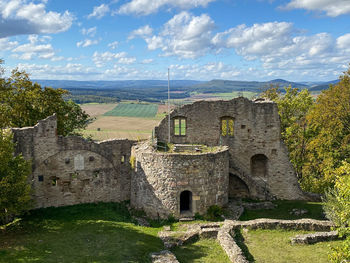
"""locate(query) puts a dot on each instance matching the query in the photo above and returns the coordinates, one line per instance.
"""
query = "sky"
(296, 40)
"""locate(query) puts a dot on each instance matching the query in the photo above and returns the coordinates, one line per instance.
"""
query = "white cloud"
(68, 71)
(91, 32)
(128, 60)
(87, 42)
(6, 44)
(113, 45)
(18, 17)
(332, 8)
(343, 42)
(99, 11)
(147, 61)
(255, 40)
(185, 35)
(146, 7)
(141, 32)
(101, 58)
(37, 47)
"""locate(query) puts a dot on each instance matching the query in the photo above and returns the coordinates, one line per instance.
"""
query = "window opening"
(227, 126)
(180, 126)
(40, 178)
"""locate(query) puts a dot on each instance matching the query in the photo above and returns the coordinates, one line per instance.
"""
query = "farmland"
(134, 110)
(125, 120)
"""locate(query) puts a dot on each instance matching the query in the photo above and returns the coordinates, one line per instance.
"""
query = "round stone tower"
(179, 184)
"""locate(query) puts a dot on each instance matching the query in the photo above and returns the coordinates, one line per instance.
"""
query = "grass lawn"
(204, 250)
(134, 110)
(273, 246)
(283, 211)
(82, 233)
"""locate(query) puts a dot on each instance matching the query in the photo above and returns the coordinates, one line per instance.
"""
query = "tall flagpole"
(168, 107)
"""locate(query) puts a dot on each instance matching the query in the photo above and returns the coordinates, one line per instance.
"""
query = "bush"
(337, 208)
(214, 213)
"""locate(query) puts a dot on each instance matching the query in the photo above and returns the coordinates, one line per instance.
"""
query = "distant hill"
(73, 84)
(156, 90)
(216, 85)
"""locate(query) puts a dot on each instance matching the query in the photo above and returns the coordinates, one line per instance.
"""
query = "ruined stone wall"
(256, 133)
(159, 178)
(72, 170)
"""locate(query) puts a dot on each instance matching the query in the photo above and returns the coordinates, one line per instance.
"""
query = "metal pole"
(168, 106)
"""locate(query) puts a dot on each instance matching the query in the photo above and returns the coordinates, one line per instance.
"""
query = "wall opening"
(237, 187)
(227, 126)
(179, 126)
(259, 164)
(185, 201)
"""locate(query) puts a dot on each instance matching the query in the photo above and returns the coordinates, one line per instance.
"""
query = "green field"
(134, 110)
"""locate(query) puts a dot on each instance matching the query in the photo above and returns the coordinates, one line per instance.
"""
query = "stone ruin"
(246, 159)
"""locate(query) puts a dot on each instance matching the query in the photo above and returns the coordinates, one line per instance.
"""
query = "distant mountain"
(119, 84)
(217, 85)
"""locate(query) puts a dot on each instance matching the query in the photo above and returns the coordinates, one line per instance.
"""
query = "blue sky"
(298, 40)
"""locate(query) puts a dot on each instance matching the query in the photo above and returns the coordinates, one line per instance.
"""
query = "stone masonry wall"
(72, 170)
(159, 178)
(256, 133)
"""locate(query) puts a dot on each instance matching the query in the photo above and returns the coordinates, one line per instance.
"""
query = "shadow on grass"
(83, 233)
(241, 243)
(314, 211)
(201, 250)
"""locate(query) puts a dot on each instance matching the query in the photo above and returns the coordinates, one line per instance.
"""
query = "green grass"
(273, 246)
(283, 211)
(82, 233)
(134, 110)
(204, 250)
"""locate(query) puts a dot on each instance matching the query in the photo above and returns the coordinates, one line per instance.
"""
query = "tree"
(329, 122)
(293, 106)
(337, 208)
(24, 103)
(14, 170)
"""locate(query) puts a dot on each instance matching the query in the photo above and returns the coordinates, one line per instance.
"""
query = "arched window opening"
(227, 126)
(259, 165)
(179, 126)
(185, 201)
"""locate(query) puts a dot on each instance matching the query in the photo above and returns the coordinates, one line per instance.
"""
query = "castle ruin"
(223, 149)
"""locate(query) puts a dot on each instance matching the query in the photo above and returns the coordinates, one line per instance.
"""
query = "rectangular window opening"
(180, 126)
(40, 178)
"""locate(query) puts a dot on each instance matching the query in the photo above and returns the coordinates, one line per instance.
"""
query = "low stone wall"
(300, 224)
(160, 178)
(230, 247)
(164, 256)
(315, 237)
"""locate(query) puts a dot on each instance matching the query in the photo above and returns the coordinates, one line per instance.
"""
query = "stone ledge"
(315, 237)
(164, 256)
(230, 247)
(300, 224)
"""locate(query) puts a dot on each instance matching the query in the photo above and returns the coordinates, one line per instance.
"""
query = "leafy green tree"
(293, 106)
(14, 170)
(337, 208)
(24, 103)
(329, 122)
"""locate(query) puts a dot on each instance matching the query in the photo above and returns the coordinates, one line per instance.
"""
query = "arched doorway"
(185, 201)
(237, 187)
(259, 165)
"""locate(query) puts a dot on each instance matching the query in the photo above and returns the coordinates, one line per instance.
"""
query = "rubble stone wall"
(71, 170)
(256, 134)
(159, 178)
